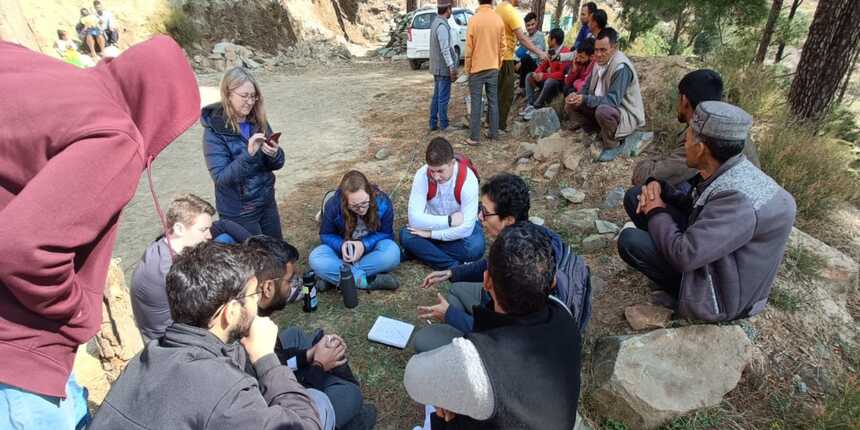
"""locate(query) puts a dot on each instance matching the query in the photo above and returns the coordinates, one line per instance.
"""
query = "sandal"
(470, 142)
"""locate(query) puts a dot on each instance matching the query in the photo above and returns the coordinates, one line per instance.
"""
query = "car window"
(423, 21)
(461, 18)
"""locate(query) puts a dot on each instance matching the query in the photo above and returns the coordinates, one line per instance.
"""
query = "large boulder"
(544, 123)
(581, 219)
(550, 148)
(837, 269)
(649, 379)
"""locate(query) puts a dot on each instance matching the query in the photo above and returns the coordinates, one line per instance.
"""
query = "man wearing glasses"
(505, 201)
(197, 375)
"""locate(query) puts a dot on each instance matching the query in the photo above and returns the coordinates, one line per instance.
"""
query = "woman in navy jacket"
(361, 217)
(241, 157)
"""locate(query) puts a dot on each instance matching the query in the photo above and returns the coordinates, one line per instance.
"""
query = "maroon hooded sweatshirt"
(73, 144)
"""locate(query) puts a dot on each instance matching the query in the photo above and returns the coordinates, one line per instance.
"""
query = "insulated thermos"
(348, 288)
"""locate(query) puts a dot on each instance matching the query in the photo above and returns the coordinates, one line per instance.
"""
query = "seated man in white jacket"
(443, 229)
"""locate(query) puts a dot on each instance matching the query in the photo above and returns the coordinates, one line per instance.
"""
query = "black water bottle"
(348, 288)
(309, 289)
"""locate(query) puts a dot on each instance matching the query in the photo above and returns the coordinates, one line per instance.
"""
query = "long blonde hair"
(354, 181)
(234, 78)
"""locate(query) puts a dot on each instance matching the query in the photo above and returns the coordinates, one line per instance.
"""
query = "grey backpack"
(573, 286)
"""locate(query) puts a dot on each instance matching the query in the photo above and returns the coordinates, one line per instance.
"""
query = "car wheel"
(415, 64)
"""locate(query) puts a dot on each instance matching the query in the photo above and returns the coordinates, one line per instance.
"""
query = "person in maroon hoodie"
(72, 148)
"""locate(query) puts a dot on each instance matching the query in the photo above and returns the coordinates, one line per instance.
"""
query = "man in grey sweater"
(443, 65)
(714, 251)
(610, 102)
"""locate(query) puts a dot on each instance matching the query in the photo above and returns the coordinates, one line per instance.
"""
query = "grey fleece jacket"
(729, 255)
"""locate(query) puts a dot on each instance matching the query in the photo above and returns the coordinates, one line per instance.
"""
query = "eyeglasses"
(248, 96)
(484, 212)
(360, 206)
(238, 299)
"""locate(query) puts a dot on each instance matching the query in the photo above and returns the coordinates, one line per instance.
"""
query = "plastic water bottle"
(310, 291)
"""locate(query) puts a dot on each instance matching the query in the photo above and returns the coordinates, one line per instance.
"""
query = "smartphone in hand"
(274, 138)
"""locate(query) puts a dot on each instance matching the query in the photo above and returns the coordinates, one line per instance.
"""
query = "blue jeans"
(383, 258)
(439, 104)
(264, 221)
(442, 255)
(20, 409)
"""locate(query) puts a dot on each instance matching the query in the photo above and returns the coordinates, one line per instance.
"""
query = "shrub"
(813, 169)
(181, 28)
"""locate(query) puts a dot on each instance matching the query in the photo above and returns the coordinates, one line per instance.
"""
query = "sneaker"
(526, 110)
(364, 420)
(610, 154)
(384, 281)
(322, 285)
(297, 294)
(529, 115)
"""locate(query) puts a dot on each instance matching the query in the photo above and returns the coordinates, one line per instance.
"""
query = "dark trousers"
(527, 65)
(604, 119)
(439, 103)
(442, 255)
(507, 79)
(340, 386)
(638, 249)
(549, 88)
(264, 221)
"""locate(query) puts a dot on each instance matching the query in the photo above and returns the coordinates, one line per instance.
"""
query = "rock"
(582, 219)
(199, 59)
(214, 56)
(552, 171)
(573, 155)
(646, 380)
(536, 220)
(604, 227)
(596, 242)
(382, 154)
(573, 195)
(837, 269)
(220, 64)
(799, 386)
(524, 165)
(251, 64)
(598, 285)
(550, 148)
(544, 123)
(582, 423)
(614, 198)
(646, 317)
(221, 47)
(518, 129)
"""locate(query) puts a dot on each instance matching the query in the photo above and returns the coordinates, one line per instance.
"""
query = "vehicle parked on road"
(418, 34)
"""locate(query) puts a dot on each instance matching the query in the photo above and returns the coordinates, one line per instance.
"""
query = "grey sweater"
(730, 253)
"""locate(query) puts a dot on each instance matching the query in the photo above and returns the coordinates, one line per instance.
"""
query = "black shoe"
(364, 420)
(384, 281)
(322, 285)
(405, 255)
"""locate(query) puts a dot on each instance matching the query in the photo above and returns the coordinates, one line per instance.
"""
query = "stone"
(536, 220)
(544, 123)
(221, 47)
(582, 423)
(582, 219)
(382, 154)
(214, 56)
(614, 198)
(552, 202)
(598, 285)
(648, 379)
(604, 227)
(519, 129)
(837, 269)
(800, 387)
(552, 171)
(573, 195)
(573, 154)
(596, 242)
(199, 58)
(251, 64)
(220, 64)
(646, 317)
(550, 148)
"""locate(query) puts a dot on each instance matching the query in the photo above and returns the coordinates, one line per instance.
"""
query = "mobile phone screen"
(274, 137)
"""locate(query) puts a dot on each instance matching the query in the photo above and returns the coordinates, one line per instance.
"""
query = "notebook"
(390, 332)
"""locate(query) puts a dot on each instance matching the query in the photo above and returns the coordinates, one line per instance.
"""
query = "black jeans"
(638, 249)
(527, 65)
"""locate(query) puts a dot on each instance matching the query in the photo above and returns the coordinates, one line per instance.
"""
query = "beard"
(278, 302)
(243, 329)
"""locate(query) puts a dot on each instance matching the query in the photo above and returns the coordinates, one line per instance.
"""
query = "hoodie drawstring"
(161, 217)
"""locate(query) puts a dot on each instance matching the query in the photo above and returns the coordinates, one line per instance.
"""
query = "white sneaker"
(526, 110)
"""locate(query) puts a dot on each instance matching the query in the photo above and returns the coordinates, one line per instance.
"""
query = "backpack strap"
(557, 300)
(431, 186)
(462, 174)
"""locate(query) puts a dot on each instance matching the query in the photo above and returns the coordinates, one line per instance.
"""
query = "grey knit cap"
(720, 120)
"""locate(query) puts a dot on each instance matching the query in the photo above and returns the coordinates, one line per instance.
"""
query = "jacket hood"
(212, 116)
(159, 90)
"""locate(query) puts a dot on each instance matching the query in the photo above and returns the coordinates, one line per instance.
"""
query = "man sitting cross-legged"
(197, 375)
(504, 202)
(443, 228)
(319, 361)
(547, 81)
(520, 368)
(714, 251)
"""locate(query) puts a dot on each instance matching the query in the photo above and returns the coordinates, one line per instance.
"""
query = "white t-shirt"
(433, 215)
(600, 90)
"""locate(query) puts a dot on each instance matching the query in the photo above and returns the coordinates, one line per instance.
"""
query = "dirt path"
(318, 111)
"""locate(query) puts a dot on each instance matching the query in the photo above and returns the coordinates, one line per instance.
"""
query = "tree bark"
(847, 81)
(411, 5)
(679, 27)
(538, 7)
(825, 59)
(767, 34)
(556, 17)
(781, 48)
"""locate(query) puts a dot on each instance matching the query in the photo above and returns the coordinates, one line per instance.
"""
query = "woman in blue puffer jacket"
(241, 156)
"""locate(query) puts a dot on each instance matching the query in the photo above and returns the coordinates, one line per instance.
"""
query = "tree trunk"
(781, 48)
(775, 8)
(826, 57)
(679, 27)
(848, 75)
(538, 7)
(556, 17)
(411, 5)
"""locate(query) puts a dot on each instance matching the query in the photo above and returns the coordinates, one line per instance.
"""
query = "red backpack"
(465, 164)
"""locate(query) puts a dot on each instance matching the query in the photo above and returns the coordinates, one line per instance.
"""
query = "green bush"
(181, 28)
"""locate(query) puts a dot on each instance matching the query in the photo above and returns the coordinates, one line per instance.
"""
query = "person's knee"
(291, 337)
(346, 400)
(606, 114)
(631, 200)
(630, 244)
(324, 407)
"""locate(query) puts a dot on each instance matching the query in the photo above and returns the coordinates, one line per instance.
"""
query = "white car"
(418, 34)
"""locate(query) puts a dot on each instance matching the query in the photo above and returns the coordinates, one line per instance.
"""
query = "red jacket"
(577, 78)
(73, 144)
(554, 69)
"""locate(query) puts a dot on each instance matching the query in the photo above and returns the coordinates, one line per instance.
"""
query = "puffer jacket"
(244, 183)
(333, 225)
